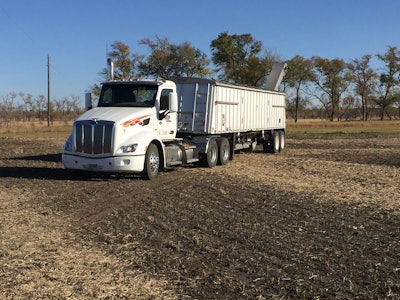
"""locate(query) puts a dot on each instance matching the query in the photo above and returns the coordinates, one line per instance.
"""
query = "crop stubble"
(320, 220)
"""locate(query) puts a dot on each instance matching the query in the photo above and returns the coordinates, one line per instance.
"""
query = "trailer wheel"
(151, 163)
(224, 151)
(281, 140)
(266, 147)
(275, 144)
(210, 158)
(272, 144)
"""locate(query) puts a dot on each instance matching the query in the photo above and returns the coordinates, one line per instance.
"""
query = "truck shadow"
(60, 174)
(35, 173)
(22, 170)
(53, 172)
(54, 157)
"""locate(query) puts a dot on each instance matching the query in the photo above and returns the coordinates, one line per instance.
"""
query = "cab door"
(167, 120)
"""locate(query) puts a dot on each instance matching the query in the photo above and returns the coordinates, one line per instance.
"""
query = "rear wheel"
(210, 158)
(151, 163)
(281, 140)
(276, 142)
(272, 144)
(224, 151)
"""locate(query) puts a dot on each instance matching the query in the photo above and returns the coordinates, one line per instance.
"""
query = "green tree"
(189, 61)
(332, 80)
(299, 73)
(365, 80)
(120, 54)
(170, 60)
(389, 81)
(238, 59)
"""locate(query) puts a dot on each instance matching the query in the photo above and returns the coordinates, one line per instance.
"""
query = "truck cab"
(141, 95)
(130, 130)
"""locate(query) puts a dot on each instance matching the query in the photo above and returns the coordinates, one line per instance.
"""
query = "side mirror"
(88, 101)
(173, 102)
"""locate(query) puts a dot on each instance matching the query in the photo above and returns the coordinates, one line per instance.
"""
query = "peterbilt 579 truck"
(146, 126)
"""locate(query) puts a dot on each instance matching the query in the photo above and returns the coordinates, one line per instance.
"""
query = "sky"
(75, 33)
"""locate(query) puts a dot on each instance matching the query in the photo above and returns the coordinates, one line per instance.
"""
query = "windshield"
(132, 95)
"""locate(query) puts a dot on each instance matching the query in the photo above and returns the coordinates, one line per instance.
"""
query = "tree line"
(316, 87)
(238, 59)
(26, 107)
(346, 90)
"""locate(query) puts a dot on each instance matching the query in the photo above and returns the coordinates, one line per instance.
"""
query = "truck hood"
(115, 114)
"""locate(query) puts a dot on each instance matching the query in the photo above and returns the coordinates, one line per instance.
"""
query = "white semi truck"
(146, 126)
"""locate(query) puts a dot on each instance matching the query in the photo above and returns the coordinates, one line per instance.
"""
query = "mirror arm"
(162, 115)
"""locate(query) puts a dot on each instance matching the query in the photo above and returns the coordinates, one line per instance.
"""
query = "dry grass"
(312, 126)
(38, 129)
(307, 127)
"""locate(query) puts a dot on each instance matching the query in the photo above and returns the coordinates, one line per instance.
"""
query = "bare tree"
(29, 107)
(389, 81)
(332, 80)
(365, 82)
(299, 73)
(41, 105)
(8, 108)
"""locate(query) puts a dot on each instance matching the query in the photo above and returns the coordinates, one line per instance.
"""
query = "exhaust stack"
(111, 64)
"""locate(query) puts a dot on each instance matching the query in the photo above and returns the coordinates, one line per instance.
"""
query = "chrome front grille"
(93, 137)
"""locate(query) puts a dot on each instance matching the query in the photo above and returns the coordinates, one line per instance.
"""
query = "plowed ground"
(319, 221)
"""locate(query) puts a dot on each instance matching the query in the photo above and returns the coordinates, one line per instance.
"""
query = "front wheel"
(151, 163)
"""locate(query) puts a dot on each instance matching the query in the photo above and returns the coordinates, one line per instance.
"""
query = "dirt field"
(319, 221)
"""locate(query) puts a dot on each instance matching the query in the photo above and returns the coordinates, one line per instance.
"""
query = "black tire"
(281, 140)
(210, 158)
(272, 145)
(265, 144)
(275, 142)
(151, 163)
(224, 151)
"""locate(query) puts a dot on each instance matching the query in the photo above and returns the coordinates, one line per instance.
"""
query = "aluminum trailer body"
(210, 107)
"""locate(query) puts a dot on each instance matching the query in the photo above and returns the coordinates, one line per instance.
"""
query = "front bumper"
(133, 164)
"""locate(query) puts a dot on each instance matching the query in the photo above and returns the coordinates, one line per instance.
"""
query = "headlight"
(127, 148)
(68, 144)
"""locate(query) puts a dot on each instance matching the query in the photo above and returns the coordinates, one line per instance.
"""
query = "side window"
(107, 96)
(164, 99)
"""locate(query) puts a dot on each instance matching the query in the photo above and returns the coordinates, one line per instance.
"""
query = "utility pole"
(48, 90)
